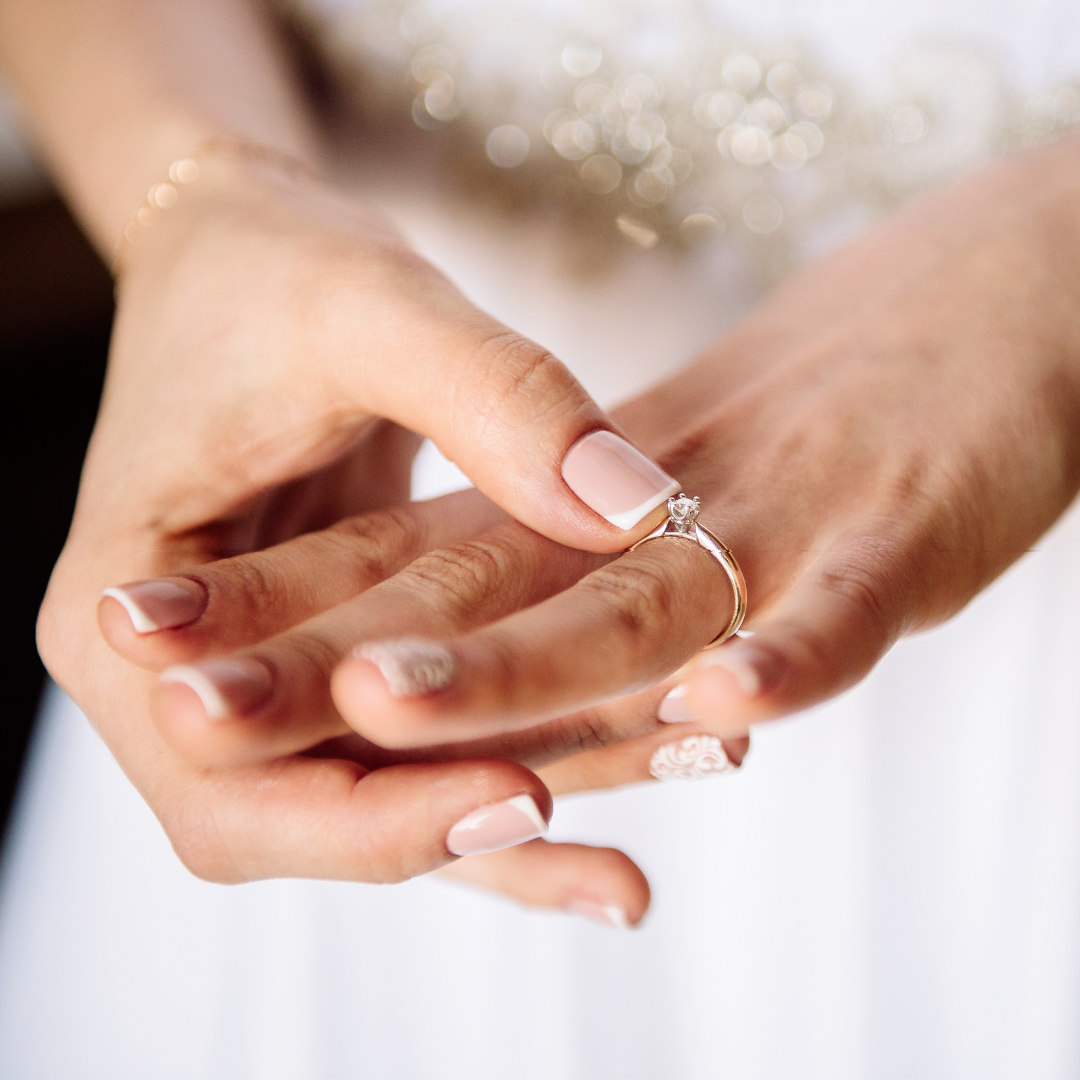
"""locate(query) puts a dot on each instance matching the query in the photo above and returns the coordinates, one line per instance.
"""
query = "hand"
(876, 443)
(807, 503)
(270, 334)
(286, 616)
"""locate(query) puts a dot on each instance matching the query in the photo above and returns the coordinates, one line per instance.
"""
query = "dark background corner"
(56, 307)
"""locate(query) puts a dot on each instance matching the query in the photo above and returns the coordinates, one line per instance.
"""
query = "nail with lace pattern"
(695, 758)
(411, 667)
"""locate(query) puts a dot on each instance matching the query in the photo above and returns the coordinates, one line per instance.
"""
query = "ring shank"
(722, 554)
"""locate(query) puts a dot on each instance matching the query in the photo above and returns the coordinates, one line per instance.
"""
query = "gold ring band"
(681, 524)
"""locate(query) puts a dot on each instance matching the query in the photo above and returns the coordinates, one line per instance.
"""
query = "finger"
(331, 819)
(601, 884)
(624, 627)
(274, 698)
(679, 752)
(823, 638)
(629, 741)
(514, 419)
(223, 606)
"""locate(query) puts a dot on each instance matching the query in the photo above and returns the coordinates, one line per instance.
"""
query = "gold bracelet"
(186, 170)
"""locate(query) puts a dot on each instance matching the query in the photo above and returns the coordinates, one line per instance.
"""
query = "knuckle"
(863, 578)
(308, 650)
(460, 578)
(253, 578)
(588, 730)
(375, 544)
(638, 594)
(520, 375)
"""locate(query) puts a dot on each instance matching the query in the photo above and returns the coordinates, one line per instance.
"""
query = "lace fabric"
(651, 123)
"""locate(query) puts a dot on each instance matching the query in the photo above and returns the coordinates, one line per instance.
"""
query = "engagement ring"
(682, 524)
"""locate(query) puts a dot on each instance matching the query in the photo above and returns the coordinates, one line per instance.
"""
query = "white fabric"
(889, 889)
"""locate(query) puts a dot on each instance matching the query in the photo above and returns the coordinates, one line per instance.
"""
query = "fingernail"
(674, 709)
(753, 669)
(497, 826)
(620, 483)
(695, 758)
(225, 687)
(160, 604)
(411, 667)
(608, 914)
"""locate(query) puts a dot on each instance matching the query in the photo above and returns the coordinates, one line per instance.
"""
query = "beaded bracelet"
(186, 171)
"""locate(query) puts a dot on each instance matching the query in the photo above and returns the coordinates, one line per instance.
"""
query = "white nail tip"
(693, 758)
(617, 917)
(526, 805)
(673, 708)
(607, 914)
(744, 673)
(217, 708)
(629, 518)
(139, 619)
(411, 667)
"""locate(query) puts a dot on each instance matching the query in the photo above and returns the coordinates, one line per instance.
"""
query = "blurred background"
(56, 310)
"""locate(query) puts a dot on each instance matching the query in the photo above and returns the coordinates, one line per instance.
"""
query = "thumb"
(523, 429)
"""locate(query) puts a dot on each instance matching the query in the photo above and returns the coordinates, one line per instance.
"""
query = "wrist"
(217, 167)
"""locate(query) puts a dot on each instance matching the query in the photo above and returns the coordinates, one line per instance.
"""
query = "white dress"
(890, 888)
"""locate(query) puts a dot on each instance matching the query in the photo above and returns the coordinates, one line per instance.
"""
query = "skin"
(876, 443)
(879, 441)
(277, 353)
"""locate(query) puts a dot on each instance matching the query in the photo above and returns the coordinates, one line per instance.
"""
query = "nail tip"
(140, 621)
(629, 518)
(673, 708)
(160, 603)
(213, 701)
(496, 827)
(730, 658)
(615, 479)
(610, 915)
(526, 804)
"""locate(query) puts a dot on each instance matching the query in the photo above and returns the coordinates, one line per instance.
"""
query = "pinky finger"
(601, 884)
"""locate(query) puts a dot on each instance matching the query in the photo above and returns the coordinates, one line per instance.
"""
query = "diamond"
(683, 511)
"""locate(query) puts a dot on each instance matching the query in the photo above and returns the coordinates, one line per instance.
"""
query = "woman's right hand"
(268, 323)
(278, 352)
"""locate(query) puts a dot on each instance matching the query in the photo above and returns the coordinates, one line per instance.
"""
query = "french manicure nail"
(754, 670)
(674, 709)
(497, 826)
(695, 758)
(161, 603)
(410, 666)
(607, 914)
(225, 687)
(613, 478)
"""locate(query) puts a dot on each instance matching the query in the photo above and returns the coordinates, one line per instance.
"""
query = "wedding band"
(682, 524)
